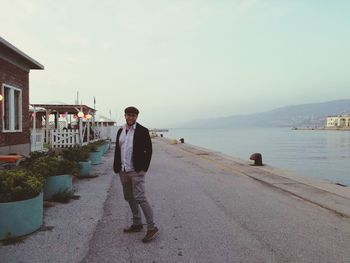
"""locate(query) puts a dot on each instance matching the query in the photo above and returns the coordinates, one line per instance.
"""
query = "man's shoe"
(150, 235)
(133, 229)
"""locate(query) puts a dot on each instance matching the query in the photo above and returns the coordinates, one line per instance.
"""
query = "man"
(132, 158)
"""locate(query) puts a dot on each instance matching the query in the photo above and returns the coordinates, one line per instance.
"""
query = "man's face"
(130, 118)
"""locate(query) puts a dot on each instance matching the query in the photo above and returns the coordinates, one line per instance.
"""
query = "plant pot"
(21, 217)
(109, 145)
(101, 148)
(105, 148)
(84, 169)
(56, 184)
(95, 157)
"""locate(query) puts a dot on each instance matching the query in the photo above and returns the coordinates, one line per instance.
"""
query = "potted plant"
(81, 156)
(21, 203)
(57, 173)
(105, 146)
(28, 162)
(109, 142)
(95, 155)
(100, 146)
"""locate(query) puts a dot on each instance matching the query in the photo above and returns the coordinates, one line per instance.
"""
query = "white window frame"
(12, 109)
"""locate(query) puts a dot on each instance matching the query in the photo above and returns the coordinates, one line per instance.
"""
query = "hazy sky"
(180, 60)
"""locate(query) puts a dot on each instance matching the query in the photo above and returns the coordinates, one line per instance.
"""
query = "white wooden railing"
(69, 138)
(64, 138)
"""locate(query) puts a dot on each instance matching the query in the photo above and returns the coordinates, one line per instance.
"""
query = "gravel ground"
(72, 224)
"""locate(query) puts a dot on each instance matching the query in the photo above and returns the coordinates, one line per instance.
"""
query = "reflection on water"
(320, 154)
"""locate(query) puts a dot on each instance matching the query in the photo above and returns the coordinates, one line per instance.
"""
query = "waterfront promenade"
(209, 208)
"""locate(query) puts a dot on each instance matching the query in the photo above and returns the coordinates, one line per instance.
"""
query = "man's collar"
(133, 126)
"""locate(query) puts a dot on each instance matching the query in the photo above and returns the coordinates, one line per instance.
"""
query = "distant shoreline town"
(334, 123)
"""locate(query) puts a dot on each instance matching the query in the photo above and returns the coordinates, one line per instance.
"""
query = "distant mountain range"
(304, 115)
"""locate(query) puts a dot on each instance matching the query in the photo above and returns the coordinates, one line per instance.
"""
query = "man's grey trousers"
(134, 194)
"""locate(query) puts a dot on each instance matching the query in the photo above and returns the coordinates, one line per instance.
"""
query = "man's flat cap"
(131, 109)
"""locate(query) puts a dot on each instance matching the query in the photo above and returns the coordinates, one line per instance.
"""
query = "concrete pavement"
(207, 213)
(209, 207)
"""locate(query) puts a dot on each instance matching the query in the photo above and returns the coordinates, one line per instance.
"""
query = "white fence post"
(37, 138)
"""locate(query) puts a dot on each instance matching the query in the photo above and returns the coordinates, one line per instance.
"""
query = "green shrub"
(91, 147)
(100, 142)
(17, 185)
(79, 154)
(94, 145)
(33, 156)
(51, 166)
(64, 197)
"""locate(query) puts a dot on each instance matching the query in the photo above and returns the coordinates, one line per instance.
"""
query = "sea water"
(317, 153)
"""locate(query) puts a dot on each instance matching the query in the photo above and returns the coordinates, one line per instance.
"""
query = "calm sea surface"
(319, 154)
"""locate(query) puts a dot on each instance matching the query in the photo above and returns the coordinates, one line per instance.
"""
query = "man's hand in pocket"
(142, 173)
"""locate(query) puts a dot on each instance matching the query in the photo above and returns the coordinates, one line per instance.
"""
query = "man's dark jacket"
(142, 150)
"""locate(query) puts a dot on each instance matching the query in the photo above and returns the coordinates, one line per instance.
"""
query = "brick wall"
(14, 76)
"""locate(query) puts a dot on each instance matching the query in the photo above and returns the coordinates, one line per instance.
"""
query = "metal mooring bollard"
(257, 158)
(182, 140)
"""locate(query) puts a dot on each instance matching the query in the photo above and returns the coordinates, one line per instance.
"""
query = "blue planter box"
(102, 149)
(84, 169)
(95, 157)
(21, 217)
(105, 148)
(56, 184)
